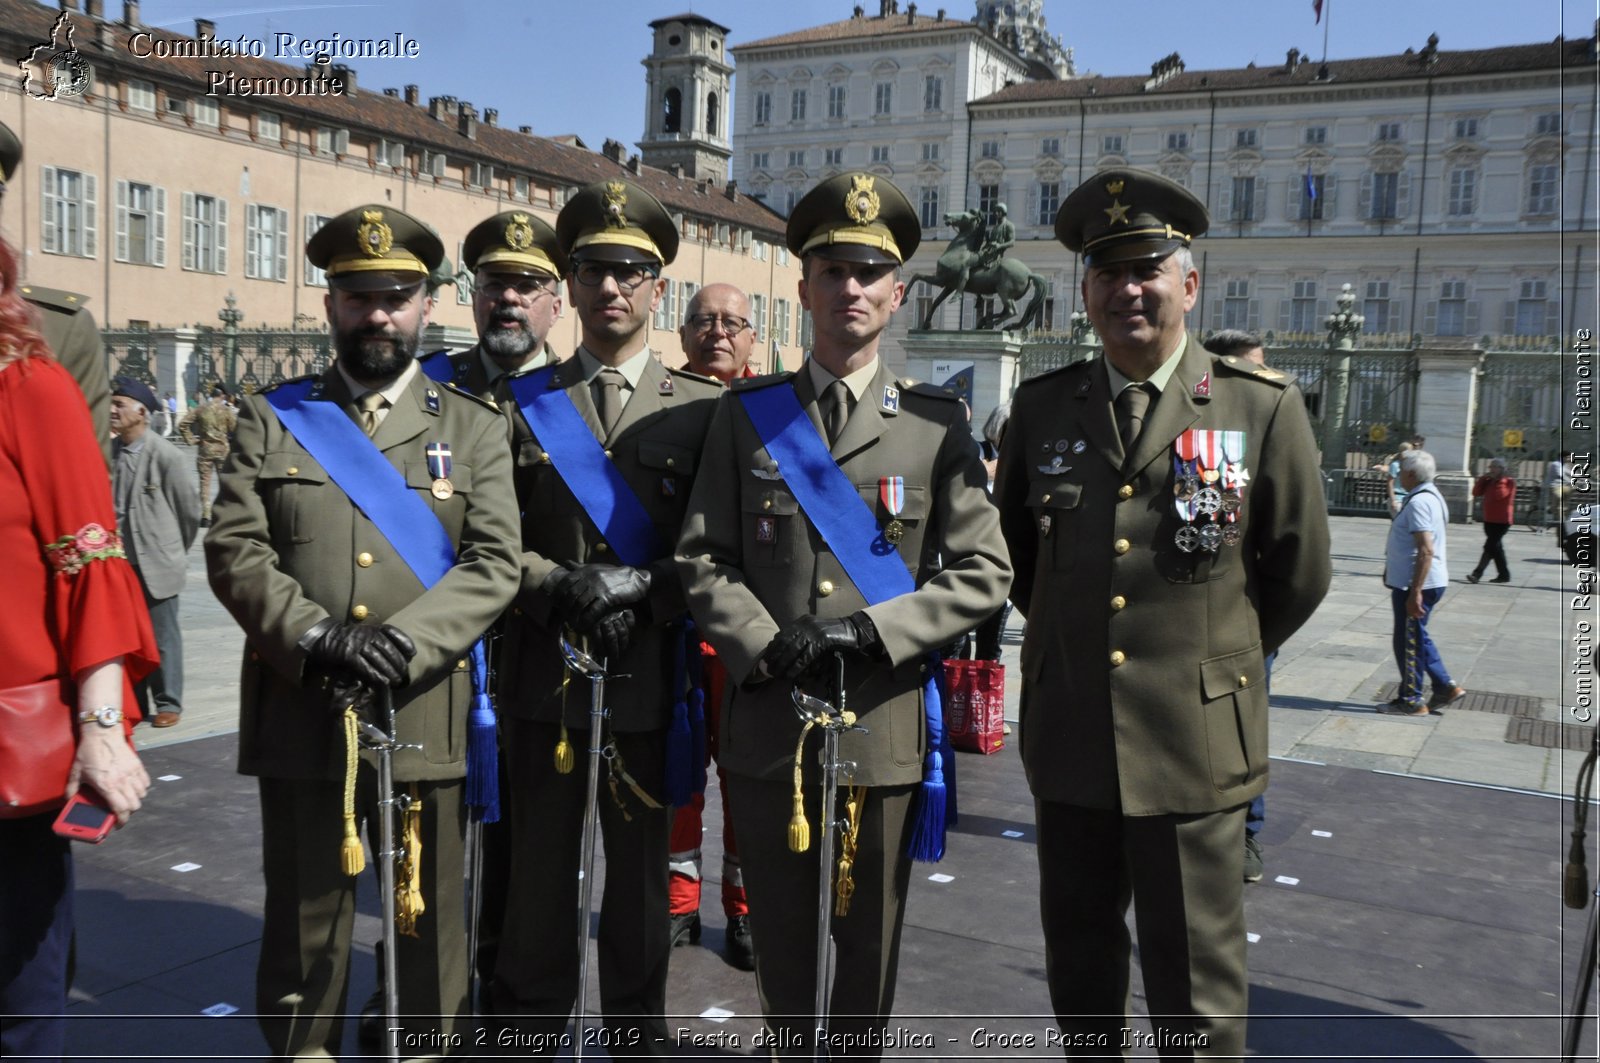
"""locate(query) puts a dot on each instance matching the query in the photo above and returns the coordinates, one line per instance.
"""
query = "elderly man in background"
(1416, 575)
(159, 514)
(1499, 494)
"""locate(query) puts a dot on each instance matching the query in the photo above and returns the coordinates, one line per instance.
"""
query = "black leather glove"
(372, 654)
(582, 595)
(612, 634)
(801, 645)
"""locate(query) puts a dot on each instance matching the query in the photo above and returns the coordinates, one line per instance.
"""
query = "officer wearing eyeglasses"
(651, 422)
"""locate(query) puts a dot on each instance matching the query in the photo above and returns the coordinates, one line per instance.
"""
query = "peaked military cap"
(617, 215)
(855, 216)
(10, 154)
(137, 390)
(516, 241)
(1124, 214)
(375, 248)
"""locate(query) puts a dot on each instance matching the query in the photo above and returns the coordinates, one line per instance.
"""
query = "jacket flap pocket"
(669, 457)
(771, 502)
(1232, 673)
(418, 476)
(1054, 494)
(294, 465)
(914, 498)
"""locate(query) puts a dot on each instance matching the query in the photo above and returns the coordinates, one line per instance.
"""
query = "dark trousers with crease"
(1494, 549)
(35, 937)
(1181, 873)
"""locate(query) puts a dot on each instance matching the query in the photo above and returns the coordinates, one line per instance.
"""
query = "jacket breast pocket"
(289, 484)
(671, 470)
(772, 525)
(1056, 506)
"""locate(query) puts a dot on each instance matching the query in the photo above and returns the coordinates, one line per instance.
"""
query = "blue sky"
(575, 67)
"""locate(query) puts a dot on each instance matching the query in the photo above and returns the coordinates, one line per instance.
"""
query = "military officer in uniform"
(68, 328)
(329, 609)
(1166, 520)
(770, 592)
(516, 266)
(209, 428)
(651, 423)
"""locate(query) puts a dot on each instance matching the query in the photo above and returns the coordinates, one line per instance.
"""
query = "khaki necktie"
(370, 404)
(1132, 405)
(835, 410)
(608, 401)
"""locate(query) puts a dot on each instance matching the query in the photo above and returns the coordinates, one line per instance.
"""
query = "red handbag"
(37, 745)
(976, 714)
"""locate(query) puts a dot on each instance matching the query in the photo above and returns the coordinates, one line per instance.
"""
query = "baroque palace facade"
(1453, 191)
(158, 202)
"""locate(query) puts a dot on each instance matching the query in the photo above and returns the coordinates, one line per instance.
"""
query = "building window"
(780, 321)
(836, 101)
(1177, 141)
(1303, 316)
(1388, 131)
(1111, 144)
(761, 160)
(882, 98)
(315, 278)
(207, 115)
(790, 200)
(481, 175)
(797, 105)
(714, 115)
(1313, 197)
(69, 212)
(989, 149)
(1452, 319)
(1236, 304)
(932, 93)
(391, 153)
(988, 199)
(1463, 194)
(1316, 134)
(758, 316)
(1049, 201)
(266, 254)
(1531, 310)
(141, 95)
(1376, 308)
(333, 141)
(205, 233)
(521, 186)
(1244, 200)
(930, 152)
(1244, 138)
(1547, 125)
(1543, 181)
(833, 156)
(141, 224)
(807, 332)
(268, 126)
(880, 153)
(763, 108)
(1466, 129)
(797, 158)
(1050, 147)
(1385, 196)
(929, 209)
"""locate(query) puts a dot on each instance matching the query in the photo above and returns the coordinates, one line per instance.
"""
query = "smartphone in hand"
(85, 818)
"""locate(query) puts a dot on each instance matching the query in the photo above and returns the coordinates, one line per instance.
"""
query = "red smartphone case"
(85, 819)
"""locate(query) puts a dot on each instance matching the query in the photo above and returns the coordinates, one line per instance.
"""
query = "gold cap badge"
(374, 236)
(861, 202)
(1114, 187)
(616, 203)
(519, 234)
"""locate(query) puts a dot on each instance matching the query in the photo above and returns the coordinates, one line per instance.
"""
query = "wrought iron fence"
(243, 359)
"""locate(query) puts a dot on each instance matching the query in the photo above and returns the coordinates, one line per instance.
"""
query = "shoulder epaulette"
(1058, 371)
(1264, 373)
(455, 389)
(54, 298)
(932, 391)
(698, 378)
(750, 383)
(282, 383)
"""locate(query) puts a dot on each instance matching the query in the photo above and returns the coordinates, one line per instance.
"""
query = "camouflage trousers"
(209, 469)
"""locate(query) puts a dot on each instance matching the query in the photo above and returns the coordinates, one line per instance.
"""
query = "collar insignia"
(1202, 387)
(891, 399)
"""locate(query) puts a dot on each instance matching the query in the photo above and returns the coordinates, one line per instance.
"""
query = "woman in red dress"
(72, 612)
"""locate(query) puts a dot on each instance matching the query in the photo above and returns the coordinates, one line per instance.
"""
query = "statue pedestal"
(934, 356)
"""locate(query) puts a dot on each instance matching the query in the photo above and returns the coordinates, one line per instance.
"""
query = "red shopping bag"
(976, 713)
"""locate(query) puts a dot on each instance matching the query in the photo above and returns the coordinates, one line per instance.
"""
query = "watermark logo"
(56, 69)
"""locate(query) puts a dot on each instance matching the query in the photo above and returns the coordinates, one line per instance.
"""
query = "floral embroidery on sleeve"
(93, 542)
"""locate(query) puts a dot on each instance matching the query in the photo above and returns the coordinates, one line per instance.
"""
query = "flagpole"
(1327, 20)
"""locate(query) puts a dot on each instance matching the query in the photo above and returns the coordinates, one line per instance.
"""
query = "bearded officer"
(68, 328)
(331, 605)
(775, 584)
(607, 439)
(1166, 520)
(516, 266)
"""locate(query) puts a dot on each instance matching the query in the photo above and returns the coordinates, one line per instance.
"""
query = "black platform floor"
(1401, 918)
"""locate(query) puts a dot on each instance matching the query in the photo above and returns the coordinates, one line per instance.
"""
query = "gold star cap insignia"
(1117, 213)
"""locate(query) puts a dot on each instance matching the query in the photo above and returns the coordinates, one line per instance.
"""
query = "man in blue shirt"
(1415, 573)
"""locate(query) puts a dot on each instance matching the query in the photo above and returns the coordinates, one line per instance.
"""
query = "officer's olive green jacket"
(287, 548)
(69, 331)
(1144, 683)
(752, 561)
(656, 448)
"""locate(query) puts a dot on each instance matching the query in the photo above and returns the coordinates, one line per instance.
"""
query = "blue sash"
(580, 460)
(378, 489)
(438, 367)
(851, 531)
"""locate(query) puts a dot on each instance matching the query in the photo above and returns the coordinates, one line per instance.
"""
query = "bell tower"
(686, 98)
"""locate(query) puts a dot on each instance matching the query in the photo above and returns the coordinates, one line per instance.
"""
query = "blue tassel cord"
(483, 766)
(936, 799)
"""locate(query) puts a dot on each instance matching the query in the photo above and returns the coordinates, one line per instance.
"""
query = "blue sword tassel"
(483, 768)
(936, 798)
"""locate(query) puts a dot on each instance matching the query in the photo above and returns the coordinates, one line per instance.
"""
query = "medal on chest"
(438, 455)
(1208, 483)
(892, 493)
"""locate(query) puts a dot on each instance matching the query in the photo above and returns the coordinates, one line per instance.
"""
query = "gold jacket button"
(293, 470)
(1045, 497)
(1244, 680)
(671, 463)
(1117, 657)
(766, 503)
(359, 612)
(364, 559)
(1125, 491)
(609, 455)
(544, 455)
(1118, 602)
(461, 666)
(600, 548)
(1121, 546)
(825, 588)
